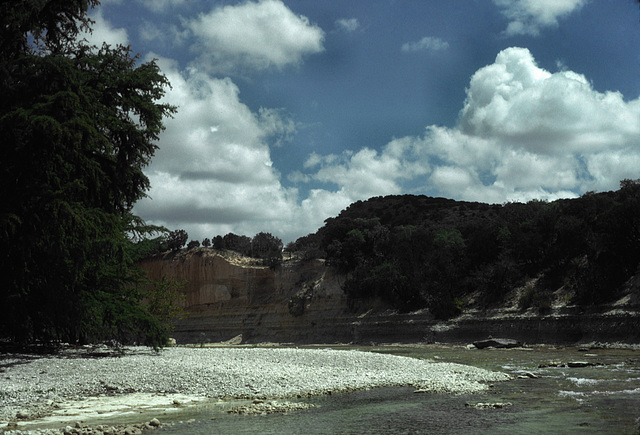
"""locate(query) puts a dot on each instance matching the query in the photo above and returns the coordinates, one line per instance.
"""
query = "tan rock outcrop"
(226, 297)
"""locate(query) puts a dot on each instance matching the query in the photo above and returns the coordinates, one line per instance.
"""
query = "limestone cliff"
(303, 302)
(227, 296)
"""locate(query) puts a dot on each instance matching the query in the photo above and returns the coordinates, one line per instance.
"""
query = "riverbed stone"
(498, 343)
(579, 364)
(260, 407)
(527, 375)
(488, 405)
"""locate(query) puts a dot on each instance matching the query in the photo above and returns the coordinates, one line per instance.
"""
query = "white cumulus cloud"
(257, 35)
(520, 104)
(348, 24)
(528, 17)
(368, 172)
(428, 43)
(531, 133)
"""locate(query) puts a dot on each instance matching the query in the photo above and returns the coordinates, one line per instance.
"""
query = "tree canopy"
(78, 125)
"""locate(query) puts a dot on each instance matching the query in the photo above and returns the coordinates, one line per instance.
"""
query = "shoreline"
(85, 386)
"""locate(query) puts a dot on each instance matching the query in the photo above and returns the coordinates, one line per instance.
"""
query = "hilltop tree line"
(263, 245)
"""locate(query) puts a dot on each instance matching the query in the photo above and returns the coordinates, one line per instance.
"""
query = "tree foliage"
(176, 239)
(78, 125)
(306, 247)
(165, 300)
(416, 251)
(234, 242)
(263, 245)
(266, 246)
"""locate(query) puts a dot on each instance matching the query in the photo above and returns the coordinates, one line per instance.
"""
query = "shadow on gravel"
(12, 360)
(12, 354)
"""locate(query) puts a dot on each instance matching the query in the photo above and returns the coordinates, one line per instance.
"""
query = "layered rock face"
(225, 297)
(303, 302)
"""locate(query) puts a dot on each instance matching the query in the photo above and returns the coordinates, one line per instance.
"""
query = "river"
(599, 398)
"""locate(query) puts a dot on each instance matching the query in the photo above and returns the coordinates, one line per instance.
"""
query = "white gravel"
(29, 384)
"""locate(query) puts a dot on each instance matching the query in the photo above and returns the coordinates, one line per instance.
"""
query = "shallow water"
(597, 399)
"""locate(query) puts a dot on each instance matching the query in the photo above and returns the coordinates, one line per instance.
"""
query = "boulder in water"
(500, 343)
(578, 364)
(488, 405)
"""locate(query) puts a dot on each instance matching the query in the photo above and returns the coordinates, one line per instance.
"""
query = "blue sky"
(290, 110)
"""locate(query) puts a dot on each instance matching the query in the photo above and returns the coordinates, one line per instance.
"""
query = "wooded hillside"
(421, 252)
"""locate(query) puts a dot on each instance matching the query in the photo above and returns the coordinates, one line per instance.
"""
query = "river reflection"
(599, 398)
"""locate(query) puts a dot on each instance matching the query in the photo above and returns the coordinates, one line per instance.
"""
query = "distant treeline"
(421, 252)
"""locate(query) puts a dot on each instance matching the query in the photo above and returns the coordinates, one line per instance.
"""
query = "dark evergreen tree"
(218, 242)
(239, 244)
(266, 245)
(177, 239)
(78, 125)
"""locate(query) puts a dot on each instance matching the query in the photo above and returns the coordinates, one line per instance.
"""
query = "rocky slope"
(303, 302)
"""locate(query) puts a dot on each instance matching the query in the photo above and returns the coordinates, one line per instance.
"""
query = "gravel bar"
(28, 382)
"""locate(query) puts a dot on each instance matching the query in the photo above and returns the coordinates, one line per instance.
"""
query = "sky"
(291, 110)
